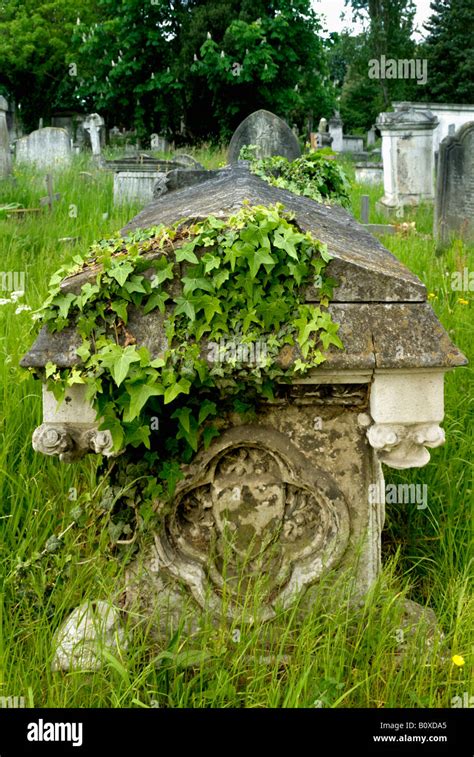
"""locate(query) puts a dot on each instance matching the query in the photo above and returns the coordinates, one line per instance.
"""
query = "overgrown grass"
(341, 654)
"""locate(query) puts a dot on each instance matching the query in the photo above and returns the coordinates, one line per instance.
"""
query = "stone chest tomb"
(292, 486)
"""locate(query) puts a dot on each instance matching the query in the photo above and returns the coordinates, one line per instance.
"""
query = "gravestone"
(5, 156)
(324, 138)
(298, 477)
(352, 144)
(371, 136)
(369, 173)
(159, 143)
(45, 148)
(335, 130)
(454, 216)
(140, 179)
(407, 155)
(93, 125)
(270, 134)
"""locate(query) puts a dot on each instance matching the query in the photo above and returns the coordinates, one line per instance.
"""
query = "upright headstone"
(45, 148)
(407, 154)
(324, 138)
(5, 157)
(270, 134)
(371, 136)
(93, 124)
(335, 130)
(157, 142)
(454, 216)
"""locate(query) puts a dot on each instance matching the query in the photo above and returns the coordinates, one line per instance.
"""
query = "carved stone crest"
(256, 513)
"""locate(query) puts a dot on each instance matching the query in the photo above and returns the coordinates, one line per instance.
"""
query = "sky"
(332, 9)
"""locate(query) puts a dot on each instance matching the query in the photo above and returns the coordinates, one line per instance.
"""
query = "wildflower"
(463, 302)
(431, 295)
(458, 660)
(21, 308)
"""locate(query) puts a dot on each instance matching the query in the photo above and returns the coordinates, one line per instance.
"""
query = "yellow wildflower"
(463, 302)
(458, 660)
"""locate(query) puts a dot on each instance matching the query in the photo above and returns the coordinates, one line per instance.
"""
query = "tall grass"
(340, 654)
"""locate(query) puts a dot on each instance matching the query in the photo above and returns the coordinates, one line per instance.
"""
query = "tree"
(277, 61)
(198, 68)
(35, 40)
(450, 51)
(388, 34)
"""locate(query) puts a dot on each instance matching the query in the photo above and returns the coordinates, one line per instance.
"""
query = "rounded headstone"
(270, 134)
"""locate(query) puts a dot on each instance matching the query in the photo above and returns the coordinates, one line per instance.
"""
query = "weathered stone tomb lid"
(385, 320)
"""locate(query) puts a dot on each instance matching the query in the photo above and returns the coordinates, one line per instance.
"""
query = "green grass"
(340, 655)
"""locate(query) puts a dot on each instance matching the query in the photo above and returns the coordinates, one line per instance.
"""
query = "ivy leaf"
(64, 302)
(185, 306)
(219, 278)
(210, 262)
(139, 396)
(112, 424)
(180, 387)
(137, 435)
(186, 253)
(190, 284)
(120, 307)
(182, 414)
(209, 433)
(162, 275)
(260, 257)
(135, 284)
(156, 300)
(120, 364)
(50, 368)
(121, 272)
(207, 408)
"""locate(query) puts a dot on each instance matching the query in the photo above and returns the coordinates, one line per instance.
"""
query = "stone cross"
(93, 124)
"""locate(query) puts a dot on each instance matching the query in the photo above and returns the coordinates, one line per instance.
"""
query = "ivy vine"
(316, 175)
(228, 296)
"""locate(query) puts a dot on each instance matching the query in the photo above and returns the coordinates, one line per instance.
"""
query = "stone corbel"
(71, 442)
(406, 408)
(404, 446)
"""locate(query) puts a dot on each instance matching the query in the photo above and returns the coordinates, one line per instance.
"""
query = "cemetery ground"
(57, 549)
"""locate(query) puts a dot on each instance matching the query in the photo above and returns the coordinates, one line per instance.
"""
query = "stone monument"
(293, 485)
(49, 147)
(5, 157)
(270, 134)
(335, 130)
(454, 217)
(407, 155)
(93, 125)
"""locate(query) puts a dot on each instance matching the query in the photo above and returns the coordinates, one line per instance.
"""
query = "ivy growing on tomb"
(206, 285)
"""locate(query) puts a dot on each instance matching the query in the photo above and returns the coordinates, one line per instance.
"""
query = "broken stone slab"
(90, 630)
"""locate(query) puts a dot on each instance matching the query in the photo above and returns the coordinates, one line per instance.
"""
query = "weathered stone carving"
(404, 446)
(255, 509)
(71, 442)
